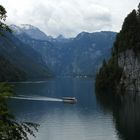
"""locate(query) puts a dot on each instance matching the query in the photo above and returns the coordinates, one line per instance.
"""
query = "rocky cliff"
(129, 61)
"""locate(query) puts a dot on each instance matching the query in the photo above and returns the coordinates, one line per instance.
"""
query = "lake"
(93, 117)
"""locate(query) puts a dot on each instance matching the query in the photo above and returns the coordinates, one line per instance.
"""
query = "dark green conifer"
(3, 16)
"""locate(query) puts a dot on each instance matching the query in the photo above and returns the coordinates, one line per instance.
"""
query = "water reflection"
(126, 114)
(58, 121)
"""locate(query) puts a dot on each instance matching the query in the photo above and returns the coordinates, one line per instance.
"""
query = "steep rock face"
(130, 62)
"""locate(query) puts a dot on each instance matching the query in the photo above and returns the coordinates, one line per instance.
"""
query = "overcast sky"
(69, 17)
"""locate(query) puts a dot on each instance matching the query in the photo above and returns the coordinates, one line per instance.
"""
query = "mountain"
(60, 38)
(32, 31)
(22, 57)
(79, 56)
(9, 72)
(122, 72)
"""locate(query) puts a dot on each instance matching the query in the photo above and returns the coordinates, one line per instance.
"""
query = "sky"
(69, 17)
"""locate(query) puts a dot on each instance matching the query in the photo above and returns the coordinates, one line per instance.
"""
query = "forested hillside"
(122, 71)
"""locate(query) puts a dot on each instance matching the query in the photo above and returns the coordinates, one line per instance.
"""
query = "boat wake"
(37, 98)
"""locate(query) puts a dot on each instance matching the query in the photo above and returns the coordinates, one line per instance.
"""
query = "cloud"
(68, 17)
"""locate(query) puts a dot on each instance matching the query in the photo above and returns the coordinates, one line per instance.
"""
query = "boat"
(70, 100)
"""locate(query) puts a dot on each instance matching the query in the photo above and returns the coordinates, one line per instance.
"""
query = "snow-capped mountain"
(32, 31)
(16, 29)
(77, 56)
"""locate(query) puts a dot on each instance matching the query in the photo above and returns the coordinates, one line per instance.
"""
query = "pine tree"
(128, 36)
(3, 16)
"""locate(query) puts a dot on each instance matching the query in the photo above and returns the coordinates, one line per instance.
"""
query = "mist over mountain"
(79, 56)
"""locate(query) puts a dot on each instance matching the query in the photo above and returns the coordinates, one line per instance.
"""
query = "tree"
(108, 76)
(139, 9)
(3, 16)
(10, 129)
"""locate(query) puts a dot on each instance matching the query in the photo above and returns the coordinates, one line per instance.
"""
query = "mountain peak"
(27, 27)
(82, 35)
(60, 37)
(30, 30)
(16, 29)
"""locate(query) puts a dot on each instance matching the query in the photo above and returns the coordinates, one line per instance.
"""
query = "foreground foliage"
(10, 129)
(3, 26)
